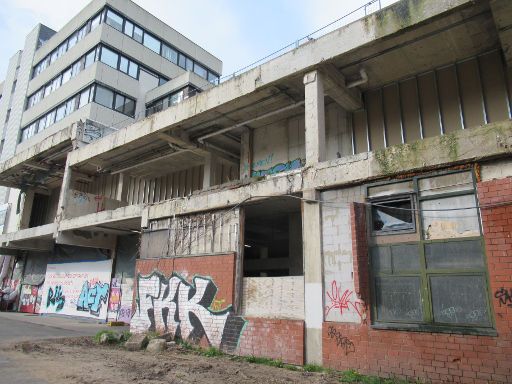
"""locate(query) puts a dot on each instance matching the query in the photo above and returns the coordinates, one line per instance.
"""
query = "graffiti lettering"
(281, 167)
(341, 341)
(55, 297)
(80, 197)
(92, 297)
(504, 296)
(176, 306)
(343, 301)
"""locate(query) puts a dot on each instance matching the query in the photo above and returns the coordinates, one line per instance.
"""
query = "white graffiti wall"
(77, 289)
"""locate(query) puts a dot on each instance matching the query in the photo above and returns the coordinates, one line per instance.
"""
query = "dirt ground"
(80, 360)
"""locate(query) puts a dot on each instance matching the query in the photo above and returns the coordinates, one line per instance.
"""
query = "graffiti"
(451, 312)
(281, 167)
(504, 296)
(260, 163)
(92, 297)
(80, 197)
(55, 297)
(100, 203)
(343, 301)
(185, 309)
(341, 341)
(124, 314)
(217, 304)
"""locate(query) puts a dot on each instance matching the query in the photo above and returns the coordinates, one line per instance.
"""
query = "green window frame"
(429, 280)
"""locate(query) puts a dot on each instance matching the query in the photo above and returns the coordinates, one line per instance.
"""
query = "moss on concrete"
(450, 144)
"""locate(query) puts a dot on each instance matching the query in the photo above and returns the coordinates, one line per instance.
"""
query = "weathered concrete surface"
(29, 233)
(156, 345)
(306, 57)
(486, 142)
(136, 342)
(92, 219)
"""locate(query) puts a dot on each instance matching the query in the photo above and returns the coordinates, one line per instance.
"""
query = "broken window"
(435, 277)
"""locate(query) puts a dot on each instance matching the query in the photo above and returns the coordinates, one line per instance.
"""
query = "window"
(212, 78)
(14, 86)
(114, 20)
(199, 70)
(119, 103)
(84, 98)
(152, 43)
(70, 106)
(90, 58)
(7, 116)
(170, 53)
(128, 28)
(75, 69)
(133, 71)
(66, 76)
(96, 21)
(138, 34)
(72, 40)
(430, 273)
(129, 107)
(123, 64)
(82, 32)
(61, 112)
(109, 57)
(104, 96)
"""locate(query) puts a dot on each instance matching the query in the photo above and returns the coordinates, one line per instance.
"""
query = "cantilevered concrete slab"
(37, 238)
(456, 29)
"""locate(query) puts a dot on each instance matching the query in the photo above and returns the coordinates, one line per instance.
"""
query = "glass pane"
(66, 76)
(72, 41)
(70, 106)
(151, 43)
(398, 299)
(114, 20)
(134, 69)
(61, 112)
(50, 118)
(440, 221)
(380, 259)
(454, 182)
(170, 53)
(199, 70)
(455, 255)
(176, 98)
(392, 215)
(212, 78)
(109, 57)
(75, 69)
(129, 107)
(96, 21)
(119, 103)
(391, 189)
(84, 98)
(406, 257)
(459, 300)
(128, 28)
(182, 62)
(104, 96)
(189, 65)
(137, 34)
(89, 58)
(123, 64)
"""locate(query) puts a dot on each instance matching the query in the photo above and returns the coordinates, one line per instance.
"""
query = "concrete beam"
(502, 14)
(335, 86)
(469, 145)
(210, 171)
(246, 154)
(104, 217)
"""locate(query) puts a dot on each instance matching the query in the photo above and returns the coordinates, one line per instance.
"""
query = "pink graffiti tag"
(344, 301)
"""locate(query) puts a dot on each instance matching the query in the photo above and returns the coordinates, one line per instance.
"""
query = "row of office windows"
(93, 93)
(171, 99)
(135, 32)
(156, 45)
(101, 53)
(67, 44)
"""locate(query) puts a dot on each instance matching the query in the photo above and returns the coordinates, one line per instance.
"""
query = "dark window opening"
(273, 239)
(392, 215)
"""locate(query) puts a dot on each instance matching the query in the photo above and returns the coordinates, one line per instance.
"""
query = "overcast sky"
(238, 32)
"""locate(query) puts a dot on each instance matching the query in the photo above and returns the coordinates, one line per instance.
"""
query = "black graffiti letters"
(341, 341)
(504, 296)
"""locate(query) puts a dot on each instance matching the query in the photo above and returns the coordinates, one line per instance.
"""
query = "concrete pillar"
(26, 209)
(246, 154)
(210, 171)
(313, 270)
(122, 188)
(63, 195)
(314, 118)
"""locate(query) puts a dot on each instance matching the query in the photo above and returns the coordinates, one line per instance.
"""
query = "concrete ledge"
(93, 219)
(29, 233)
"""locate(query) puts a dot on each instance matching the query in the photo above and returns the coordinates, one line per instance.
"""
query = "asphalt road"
(19, 327)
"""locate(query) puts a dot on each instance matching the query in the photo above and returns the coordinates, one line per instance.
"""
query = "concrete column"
(210, 168)
(63, 196)
(26, 209)
(122, 188)
(313, 270)
(246, 154)
(314, 118)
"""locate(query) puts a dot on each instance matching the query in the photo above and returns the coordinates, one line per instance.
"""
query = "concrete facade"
(346, 204)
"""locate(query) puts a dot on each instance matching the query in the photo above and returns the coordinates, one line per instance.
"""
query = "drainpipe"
(362, 80)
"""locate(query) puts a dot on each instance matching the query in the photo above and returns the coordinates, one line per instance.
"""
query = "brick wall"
(439, 357)
(275, 338)
(212, 320)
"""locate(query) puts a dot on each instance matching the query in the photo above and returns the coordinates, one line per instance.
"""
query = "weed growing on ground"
(113, 337)
(212, 352)
(313, 368)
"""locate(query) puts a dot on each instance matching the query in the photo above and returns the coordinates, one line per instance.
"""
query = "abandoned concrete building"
(347, 203)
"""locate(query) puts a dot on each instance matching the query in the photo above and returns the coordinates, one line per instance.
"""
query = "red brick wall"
(275, 338)
(440, 357)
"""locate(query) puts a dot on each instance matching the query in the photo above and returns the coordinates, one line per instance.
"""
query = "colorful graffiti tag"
(186, 310)
(56, 298)
(92, 297)
(281, 167)
(343, 301)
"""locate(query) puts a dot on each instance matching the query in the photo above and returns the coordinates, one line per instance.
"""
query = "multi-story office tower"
(110, 65)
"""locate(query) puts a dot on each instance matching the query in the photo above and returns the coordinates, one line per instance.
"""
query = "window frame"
(428, 323)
